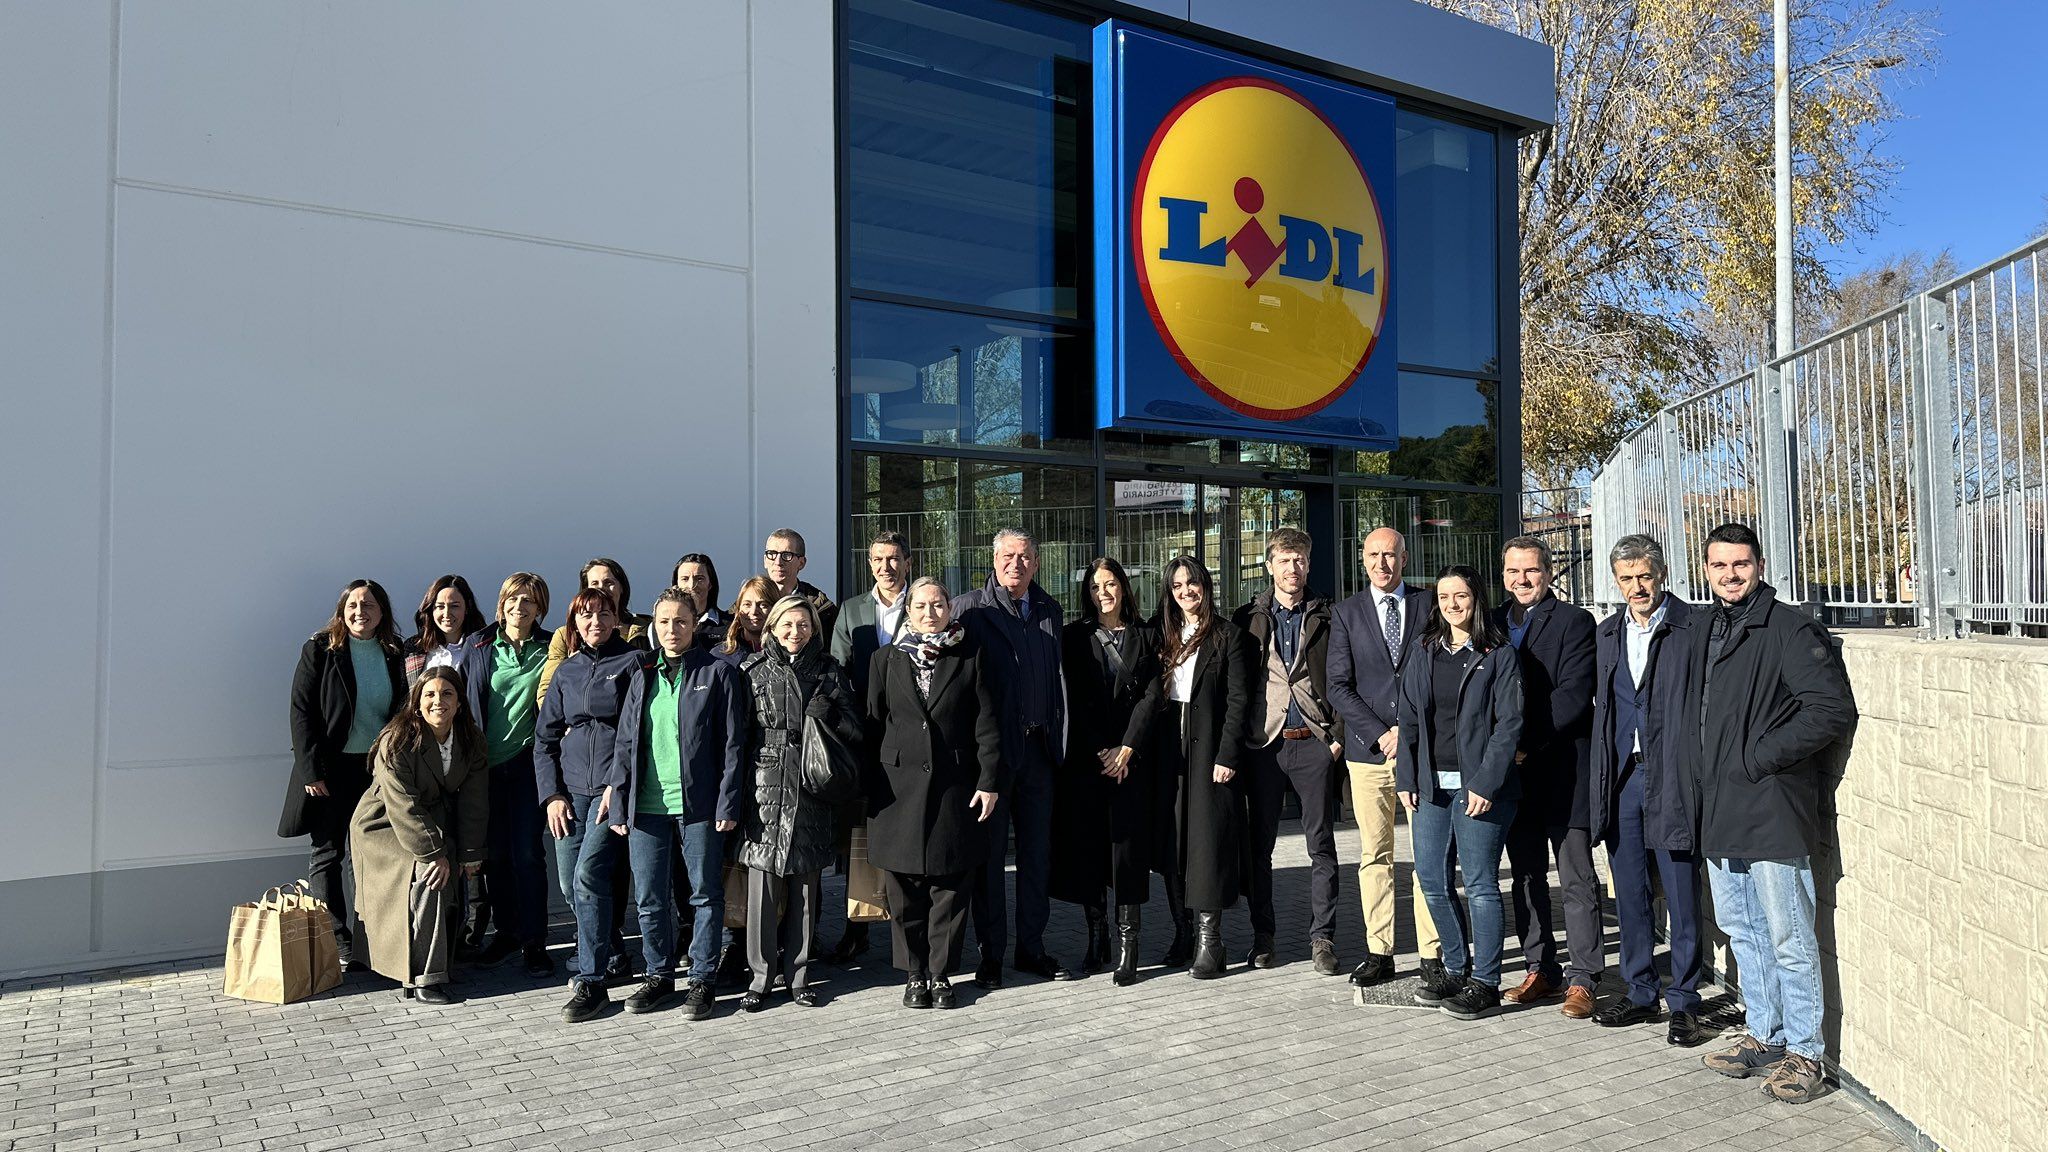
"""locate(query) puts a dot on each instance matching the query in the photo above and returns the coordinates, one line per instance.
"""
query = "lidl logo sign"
(1242, 262)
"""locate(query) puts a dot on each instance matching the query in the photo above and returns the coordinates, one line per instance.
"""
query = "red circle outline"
(1173, 348)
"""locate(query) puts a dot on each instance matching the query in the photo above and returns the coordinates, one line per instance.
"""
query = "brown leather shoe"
(1535, 989)
(1578, 1002)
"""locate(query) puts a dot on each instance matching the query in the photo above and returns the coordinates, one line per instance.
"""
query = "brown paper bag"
(866, 899)
(281, 948)
(735, 895)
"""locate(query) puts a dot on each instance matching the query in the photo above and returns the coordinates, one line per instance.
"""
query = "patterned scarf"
(924, 650)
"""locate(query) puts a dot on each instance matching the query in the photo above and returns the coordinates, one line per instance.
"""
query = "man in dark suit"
(866, 624)
(1017, 626)
(1371, 635)
(1555, 640)
(1294, 737)
(1642, 803)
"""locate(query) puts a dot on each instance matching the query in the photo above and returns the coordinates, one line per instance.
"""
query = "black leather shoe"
(752, 1001)
(989, 976)
(1374, 969)
(1262, 951)
(538, 962)
(432, 994)
(804, 998)
(651, 995)
(587, 1001)
(1622, 1012)
(917, 994)
(1209, 962)
(1684, 1031)
(941, 991)
(1043, 966)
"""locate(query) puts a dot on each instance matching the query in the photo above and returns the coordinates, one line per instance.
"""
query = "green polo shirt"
(515, 678)
(661, 768)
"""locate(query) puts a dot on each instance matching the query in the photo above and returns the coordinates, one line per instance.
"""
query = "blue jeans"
(703, 856)
(513, 865)
(1632, 862)
(1439, 827)
(587, 858)
(1029, 802)
(1767, 909)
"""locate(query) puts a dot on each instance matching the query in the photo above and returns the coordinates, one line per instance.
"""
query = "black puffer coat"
(784, 830)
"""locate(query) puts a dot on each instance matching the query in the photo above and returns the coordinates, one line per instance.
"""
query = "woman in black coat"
(1197, 716)
(350, 679)
(786, 833)
(935, 774)
(1102, 797)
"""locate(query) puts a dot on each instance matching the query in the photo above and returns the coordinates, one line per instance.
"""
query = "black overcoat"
(1102, 828)
(1197, 823)
(323, 707)
(931, 755)
(1557, 714)
(1763, 728)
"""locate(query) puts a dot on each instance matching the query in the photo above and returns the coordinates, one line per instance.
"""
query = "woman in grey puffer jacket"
(786, 832)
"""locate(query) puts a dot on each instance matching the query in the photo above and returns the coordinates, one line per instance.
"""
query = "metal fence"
(1899, 466)
(1563, 519)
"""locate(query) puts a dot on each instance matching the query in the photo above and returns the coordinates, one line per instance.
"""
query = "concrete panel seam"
(104, 637)
(417, 222)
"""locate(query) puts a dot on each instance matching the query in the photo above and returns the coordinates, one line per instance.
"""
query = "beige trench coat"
(412, 814)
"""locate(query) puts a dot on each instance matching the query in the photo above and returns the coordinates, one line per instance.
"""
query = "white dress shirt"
(1637, 636)
(1180, 685)
(888, 617)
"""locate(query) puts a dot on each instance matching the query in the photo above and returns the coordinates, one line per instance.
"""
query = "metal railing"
(1899, 464)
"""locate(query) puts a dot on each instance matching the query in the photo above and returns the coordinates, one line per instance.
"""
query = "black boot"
(1209, 959)
(1182, 949)
(1127, 918)
(1098, 940)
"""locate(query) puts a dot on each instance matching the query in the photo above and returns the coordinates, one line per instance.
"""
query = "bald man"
(1371, 635)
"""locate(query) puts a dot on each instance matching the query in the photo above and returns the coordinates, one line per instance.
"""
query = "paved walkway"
(1276, 1059)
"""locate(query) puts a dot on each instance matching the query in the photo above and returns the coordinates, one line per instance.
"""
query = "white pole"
(1782, 84)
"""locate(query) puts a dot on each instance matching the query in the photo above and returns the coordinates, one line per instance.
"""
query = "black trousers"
(928, 920)
(1530, 843)
(327, 819)
(1309, 767)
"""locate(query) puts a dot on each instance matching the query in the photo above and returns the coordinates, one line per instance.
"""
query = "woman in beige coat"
(426, 813)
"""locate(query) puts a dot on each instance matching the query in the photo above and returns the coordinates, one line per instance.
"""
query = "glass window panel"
(1441, 528)
(950, 511)
(1241, 519)
(1150, 523)
(1311, 458)
(1450, 432)
(925, 376)
(965, 164)
(1446, 234)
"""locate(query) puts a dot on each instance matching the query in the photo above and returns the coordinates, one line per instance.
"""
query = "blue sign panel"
(1243, 246)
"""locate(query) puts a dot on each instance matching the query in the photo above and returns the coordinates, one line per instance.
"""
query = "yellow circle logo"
(1260, 249)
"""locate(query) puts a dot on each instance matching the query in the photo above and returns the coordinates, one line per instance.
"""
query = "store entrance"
(1224, 524)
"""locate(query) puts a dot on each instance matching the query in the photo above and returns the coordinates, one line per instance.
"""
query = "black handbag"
(831, 771)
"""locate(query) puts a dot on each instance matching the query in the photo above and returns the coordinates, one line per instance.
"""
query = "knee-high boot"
(1209, 959)
(1128, 918)
(1098, 939)
(1182, 949)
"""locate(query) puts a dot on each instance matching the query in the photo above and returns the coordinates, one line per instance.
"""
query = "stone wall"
(1934, 911)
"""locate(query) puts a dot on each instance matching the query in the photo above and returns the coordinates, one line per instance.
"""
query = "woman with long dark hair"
(423, 817)
(697, 575)
(447, 614)
(1197, 723)
(350, 678)
(1102, 798)
(747, 630)
(1460, 716)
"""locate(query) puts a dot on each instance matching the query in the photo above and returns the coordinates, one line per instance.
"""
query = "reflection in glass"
(1446, 244)
(1241, 518)
(1441, 528)
(924, 376)
(950, 510)
(1150, 523)
(965, 171)
(1449, 433)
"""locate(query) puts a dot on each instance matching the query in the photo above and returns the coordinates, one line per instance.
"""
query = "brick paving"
(1279, 1059)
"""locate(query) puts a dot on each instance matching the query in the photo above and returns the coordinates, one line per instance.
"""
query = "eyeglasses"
(785, 557)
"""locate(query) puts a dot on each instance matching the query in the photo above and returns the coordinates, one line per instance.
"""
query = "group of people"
(663, 754)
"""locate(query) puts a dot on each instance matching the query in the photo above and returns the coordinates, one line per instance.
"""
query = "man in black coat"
(1371, 636)
(1555, 640)
(1294, 737)
(1641, 799)
(1018, 627)
(1765, 714)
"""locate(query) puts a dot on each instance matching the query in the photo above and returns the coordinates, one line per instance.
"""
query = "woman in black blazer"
(935, 775)
(1102, 797)
(1461, 716)
(1197, 714)
(351, 677)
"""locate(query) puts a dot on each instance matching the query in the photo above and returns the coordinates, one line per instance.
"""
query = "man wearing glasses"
(782, 559)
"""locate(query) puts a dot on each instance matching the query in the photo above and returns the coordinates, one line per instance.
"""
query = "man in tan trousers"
(1371, 635)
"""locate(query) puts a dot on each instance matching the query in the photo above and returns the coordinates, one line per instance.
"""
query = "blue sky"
(1973, 144)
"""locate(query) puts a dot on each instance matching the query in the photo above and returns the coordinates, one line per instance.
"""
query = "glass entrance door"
(1225, 526)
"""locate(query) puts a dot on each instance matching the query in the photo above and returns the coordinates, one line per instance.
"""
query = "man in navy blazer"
(1555, 640)
(1371, 635)
(1641, 795)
